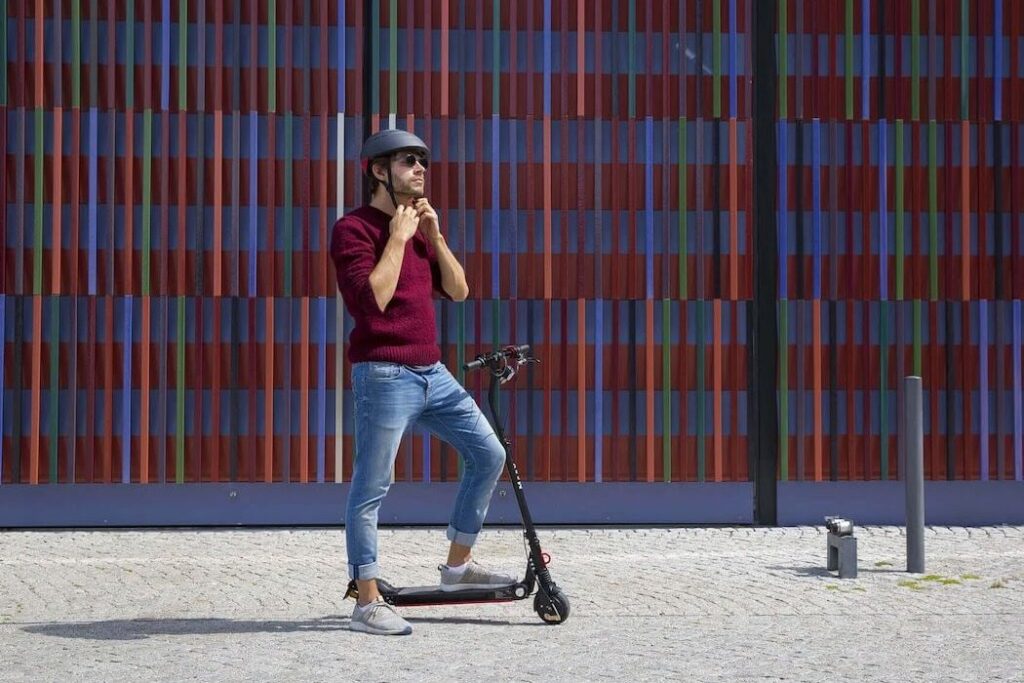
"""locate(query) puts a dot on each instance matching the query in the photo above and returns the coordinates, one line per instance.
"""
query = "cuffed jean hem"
(461, 537)
(364, 572)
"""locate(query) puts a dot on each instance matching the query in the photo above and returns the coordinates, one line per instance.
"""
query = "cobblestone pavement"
(647, 604)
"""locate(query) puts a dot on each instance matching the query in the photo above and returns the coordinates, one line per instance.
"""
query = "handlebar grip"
(480, 360)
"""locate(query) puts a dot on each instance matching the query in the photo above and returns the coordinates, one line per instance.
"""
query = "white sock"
(459, 570)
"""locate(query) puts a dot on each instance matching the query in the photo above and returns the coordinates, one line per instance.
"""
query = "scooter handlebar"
(507, 352)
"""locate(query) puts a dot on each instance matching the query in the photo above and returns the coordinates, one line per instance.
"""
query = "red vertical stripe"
(716, 364)
(965, 208)
(734, 267)
(581, 380)
(56, 248)
(108, 396)
(304, 394)
(218, 201)
(269, 343)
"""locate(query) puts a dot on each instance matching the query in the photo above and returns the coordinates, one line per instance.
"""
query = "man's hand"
(429, 223)
(404, 223)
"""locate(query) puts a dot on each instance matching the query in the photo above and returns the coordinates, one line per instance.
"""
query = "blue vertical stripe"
(126, 395)
(816, 193)
(93, 184)
(321, 390)
(254, 158)
(783, 208)
(883, 211)
(983, 388)
(649, 204)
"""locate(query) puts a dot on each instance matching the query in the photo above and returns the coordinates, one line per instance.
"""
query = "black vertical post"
(764, 427)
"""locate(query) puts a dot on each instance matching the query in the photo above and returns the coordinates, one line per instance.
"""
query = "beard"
(407, 188)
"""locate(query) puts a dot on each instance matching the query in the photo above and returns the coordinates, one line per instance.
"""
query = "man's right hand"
(404, 223)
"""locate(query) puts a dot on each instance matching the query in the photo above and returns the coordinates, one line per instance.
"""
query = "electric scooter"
(550, 603)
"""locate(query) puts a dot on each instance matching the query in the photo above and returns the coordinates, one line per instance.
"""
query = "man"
(391, 256)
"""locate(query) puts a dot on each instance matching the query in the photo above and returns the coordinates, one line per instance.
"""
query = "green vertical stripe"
(183, 55)
(682, 210)
(374, 57)
(917, 337)
(964, 30)
(783, 390)
(933, 212)
(272, 56)
(3, 51)
(632, 57)
(496, 52)
(179, 475)
(54, 339)
(147, 176)
(666, 390)
(701, 397)
(287, 204)
(393, 54)
(783, 61)
(883, 385)
(37, 257)
(915, 60)
(899, 209)
(76, 53)
(129, 56)
(716, 51)
(848, 60)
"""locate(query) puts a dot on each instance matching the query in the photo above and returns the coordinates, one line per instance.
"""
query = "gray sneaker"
(475, 576)
(380, 619)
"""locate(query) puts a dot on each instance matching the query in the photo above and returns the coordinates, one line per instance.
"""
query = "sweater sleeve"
(435, 273)
(354, 256)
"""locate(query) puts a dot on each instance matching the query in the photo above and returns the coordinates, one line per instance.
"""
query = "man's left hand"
(429, 225)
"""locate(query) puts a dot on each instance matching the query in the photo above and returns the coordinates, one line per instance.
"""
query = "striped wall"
(172, 169)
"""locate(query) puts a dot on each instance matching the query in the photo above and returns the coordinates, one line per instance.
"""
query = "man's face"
(408, 173)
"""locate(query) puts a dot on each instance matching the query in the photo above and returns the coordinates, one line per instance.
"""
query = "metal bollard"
(841, 545)
(913, 475)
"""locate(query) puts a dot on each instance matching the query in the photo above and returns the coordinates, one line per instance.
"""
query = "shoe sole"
(453, 587)
(364, 628)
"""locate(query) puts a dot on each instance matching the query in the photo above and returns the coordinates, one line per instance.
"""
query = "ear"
(379, 170)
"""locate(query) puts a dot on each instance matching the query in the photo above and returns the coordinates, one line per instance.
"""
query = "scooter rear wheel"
(553, 609)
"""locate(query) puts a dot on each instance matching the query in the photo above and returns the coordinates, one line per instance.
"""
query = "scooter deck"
(433, 595)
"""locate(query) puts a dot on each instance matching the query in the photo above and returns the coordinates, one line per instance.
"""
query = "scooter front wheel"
(552, 608)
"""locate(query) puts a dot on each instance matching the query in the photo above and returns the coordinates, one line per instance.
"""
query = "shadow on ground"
(140, 629)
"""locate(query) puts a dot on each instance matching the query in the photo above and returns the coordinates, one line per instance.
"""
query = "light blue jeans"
(388, 399)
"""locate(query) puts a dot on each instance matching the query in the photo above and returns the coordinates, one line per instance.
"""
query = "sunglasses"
(411, 160)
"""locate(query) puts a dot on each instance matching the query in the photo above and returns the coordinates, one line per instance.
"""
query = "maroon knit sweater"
(406, 331)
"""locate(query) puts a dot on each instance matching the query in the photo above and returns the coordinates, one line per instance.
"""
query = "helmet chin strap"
(390, 188)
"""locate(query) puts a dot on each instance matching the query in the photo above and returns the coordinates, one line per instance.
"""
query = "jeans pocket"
(383, 371)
